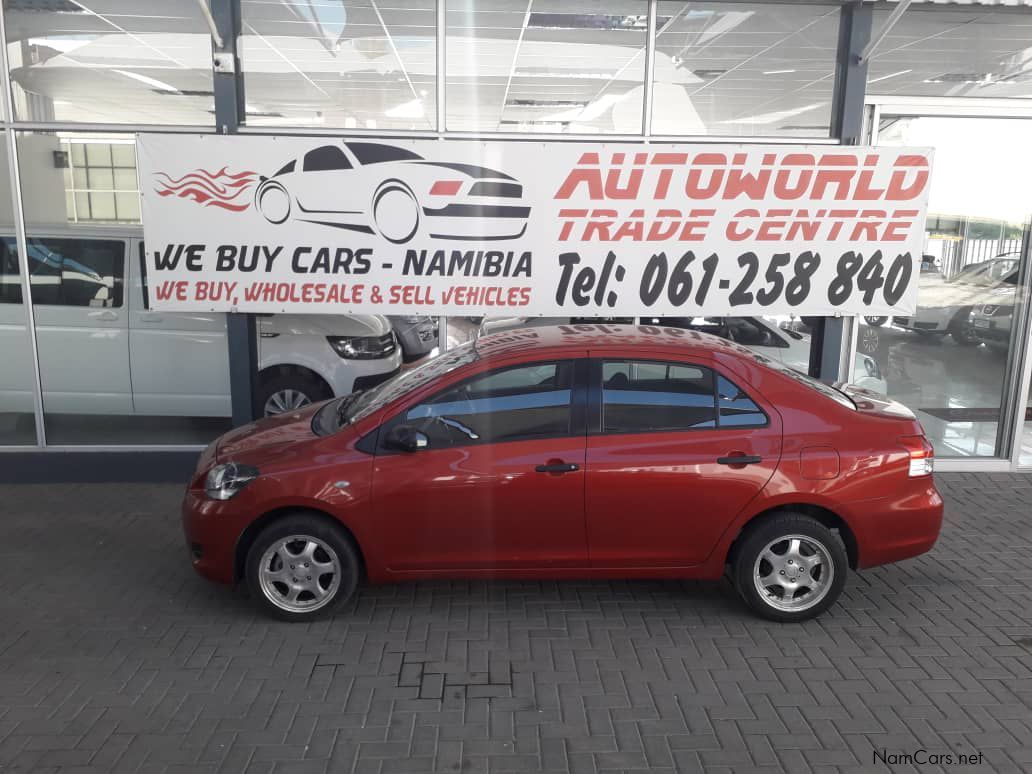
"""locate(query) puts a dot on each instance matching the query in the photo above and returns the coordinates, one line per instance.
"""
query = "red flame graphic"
(212, 189)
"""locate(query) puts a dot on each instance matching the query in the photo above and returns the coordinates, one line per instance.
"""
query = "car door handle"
(151, 318)
(739, 459)
(558, 467)
(107, 316)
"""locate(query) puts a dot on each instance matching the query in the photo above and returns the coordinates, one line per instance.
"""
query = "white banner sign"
(271, 224)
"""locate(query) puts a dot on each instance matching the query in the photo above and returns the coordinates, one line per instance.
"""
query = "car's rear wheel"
(876, 321)
(301, 567)
(790, 567)
(396, 211)
(288, 392)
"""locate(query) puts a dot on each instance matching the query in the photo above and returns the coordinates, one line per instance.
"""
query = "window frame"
(578, 406)
(596, 404)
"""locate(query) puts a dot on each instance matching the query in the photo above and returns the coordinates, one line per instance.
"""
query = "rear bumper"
(891, 529)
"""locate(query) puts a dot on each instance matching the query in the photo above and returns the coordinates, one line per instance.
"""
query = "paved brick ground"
(115, 657)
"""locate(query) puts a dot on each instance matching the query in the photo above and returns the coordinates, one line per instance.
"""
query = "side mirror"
(406, 438)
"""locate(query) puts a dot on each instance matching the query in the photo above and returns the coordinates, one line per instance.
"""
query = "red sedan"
(578, 451)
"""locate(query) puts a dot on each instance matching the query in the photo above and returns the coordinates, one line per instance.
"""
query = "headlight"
(363, 347)
(225, 480)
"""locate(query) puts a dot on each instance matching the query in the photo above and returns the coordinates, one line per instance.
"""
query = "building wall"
(84, 84)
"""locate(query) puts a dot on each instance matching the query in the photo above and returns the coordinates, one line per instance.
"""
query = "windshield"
(988, 273)
(352, 408)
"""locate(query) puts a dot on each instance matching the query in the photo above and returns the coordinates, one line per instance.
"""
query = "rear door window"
(643, 396)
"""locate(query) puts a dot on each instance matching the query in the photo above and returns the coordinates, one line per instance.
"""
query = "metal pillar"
(830, 343)
(851, 73)
(228, 85)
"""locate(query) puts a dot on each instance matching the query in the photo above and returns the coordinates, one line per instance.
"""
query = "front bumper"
(212, 528)
(365, 382)
(348, 375)
(990, 333)
(920, 326)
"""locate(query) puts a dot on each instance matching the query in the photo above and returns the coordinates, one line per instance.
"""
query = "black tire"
(961, 330)
(285, 383)
(317, 529)
(876, 321)
(963, 335)
(783, 525)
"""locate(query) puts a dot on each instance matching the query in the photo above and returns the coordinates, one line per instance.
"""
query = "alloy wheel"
(869, 340)
(299, 573)
(793, 573)
(284, 401)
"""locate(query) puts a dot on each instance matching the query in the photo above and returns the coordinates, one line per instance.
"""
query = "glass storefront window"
(17, 375)
(117, 62)
(1025, 441)
(959, 51)
(954, 359)
(744, 69)
(576, 67)
(352, 65)
(113, 372)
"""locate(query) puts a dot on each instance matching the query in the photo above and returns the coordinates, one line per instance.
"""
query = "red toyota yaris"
(580, 451)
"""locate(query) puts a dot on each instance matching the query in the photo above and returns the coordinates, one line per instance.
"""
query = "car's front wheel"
(302, 566)
(876, 321)
(790, 567)
(961, 329)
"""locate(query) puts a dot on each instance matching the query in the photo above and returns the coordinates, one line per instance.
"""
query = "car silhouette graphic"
(373, 188)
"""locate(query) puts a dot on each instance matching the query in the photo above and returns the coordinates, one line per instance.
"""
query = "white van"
(103, 351)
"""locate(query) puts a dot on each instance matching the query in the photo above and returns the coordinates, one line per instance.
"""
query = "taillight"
(922, 455)
(445, 188)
